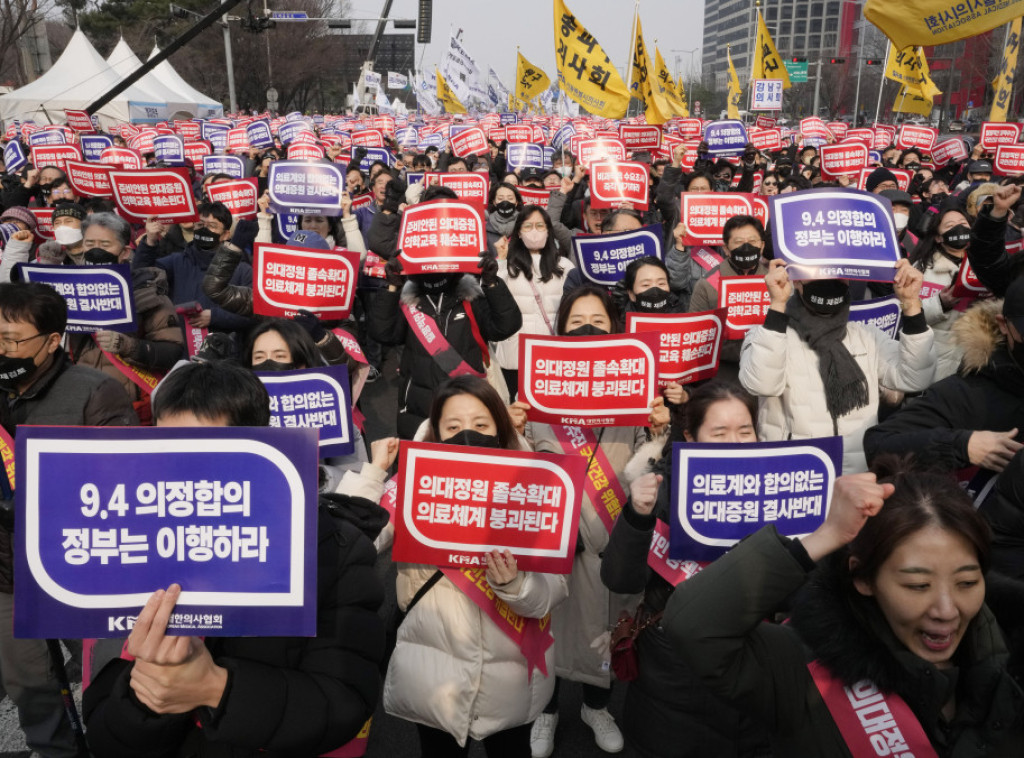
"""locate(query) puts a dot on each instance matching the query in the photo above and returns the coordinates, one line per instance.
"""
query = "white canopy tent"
(165, 73)
(124, 61)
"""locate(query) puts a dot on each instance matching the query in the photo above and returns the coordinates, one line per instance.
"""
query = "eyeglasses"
(206, 225)
(540, 227)
(10, 346)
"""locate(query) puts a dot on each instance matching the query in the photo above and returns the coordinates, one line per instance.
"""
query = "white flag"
(383, 105)
(397, 81)
(372, 79)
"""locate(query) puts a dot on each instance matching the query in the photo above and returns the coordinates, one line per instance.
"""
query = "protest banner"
(616, 182)
(98, 297)
(535, 196)
(838, 160)
(725, 137)
(47, 137)
(589, 381)
(767, 139)
(994, 134)
(471, 187)
(640, 137)
(315, 398)
(839, 129)
(227, 513)
(190, 130)
(231, 165)
(766, 122)
(169, 148)
(471, 141)
(441, 236)
(89, 179)
(196, 150)
(143, 141)
(705, 214)
(903, 177)
(520, 155)
(600, 149)
(240, 196)
(815, 129)
(93, 145)
(78, 120)
(690, 128)
(689, 343)
(165, 193)
(746, 301)
(44, 222)
(123, 158)
(454, 505)
(518, 133)
(949, 150)
(883, 313)
(298, 187)
(918, 137)
(723, 492)
(766, 95)
(967, 285)
(835, 234)
(603, 258)
(14, 157)
(55, 155)
(289, 279)
(1009, 160)
(288, 132)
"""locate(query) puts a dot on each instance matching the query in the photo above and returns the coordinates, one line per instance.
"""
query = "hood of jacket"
(467, 290)
(984, 346)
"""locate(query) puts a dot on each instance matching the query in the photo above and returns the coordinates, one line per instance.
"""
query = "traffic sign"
(797, 71)
(289, 16)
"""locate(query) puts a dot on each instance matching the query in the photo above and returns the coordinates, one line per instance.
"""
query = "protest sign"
(300, 151)
(169, 148)
(616, 182)
(196, 150)
(518, 133)
(470, 186)
(766, 139)
(14, 157)
(290, 131)
(835, 234)
(864, 136)
(190, 130)
(600, 149)
(814, 128)
(227, 513)
(93, 145)
(165, 193)
(289, 279)
(454, 505)
(44, 222)
(640, 137)
(690, 128)
(838, 128)
(766, 95)
(705, 214)
(89, 179)
(47, 137)
(78, 120)
(298, 187)
(524, 155)
(689, 342)
(919, 137)
(949, 150)
(123, 158)
(603, 258)
(994, 134)
(722, 492)
(314, 398)
(441, 236)
(535, 196)
(883, 313)
(1009, 160)
(847, 158)
(231, 165)
(98, 297)
(471, 141)
(589, 381)
(725, 137)
(967, 284)
(240, 196)
(746, 301)
(55, 155)
(258, 134)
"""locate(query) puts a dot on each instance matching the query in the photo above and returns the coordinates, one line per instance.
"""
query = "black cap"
(979, 167)
(532, 173)
(68, 209)
(1013, 304)
(898, 197)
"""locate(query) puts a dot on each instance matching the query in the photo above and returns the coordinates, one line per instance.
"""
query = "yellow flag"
(669, 85)
(910, 69)
(928, 88)
(530, 80)
(446, 97)
(585, 73)
(936, 22)
(645, 85)
(735, 91)
(912, 101)
(767, 63)
(1003, 83)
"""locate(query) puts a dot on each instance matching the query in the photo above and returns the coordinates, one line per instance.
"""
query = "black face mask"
(825, 297)
(652, 299)
(957, 238)
(587, 330)
(272, 365)
(473, 438)
(506, 209)
(938, 198)
(433, 284)
(14, 371)
(745, 257)
(205, 239)
(97, 256)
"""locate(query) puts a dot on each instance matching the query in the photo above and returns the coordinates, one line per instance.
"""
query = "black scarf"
(846, 387)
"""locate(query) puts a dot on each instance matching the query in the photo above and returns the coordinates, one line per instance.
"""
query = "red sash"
(672, 570)
(872, 723)
(7, 455)
(141, 378)
(195, 336)
(373, 265)
(426, 331)
(602, 485)
(706, 258)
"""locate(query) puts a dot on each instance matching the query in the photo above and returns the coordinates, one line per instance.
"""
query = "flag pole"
(881, 82)
(632, 55)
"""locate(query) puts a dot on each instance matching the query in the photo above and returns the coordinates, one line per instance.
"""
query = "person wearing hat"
(21, 216)
(880, 180)
(17, 237)
(532, 177)
(67, 246)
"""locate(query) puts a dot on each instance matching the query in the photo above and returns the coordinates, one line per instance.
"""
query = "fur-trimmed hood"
(467, 289)
(977, 334)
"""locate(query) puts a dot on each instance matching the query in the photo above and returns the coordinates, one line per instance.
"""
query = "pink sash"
(602, 485)
(426, 331)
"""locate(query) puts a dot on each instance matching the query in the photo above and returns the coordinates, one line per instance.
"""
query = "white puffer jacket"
(506, 353)
(782, 370)
(454, 669)
(941, 270)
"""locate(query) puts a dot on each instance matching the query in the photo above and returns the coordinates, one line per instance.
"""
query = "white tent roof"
(124, 61)
(208, 107)
(74, 81)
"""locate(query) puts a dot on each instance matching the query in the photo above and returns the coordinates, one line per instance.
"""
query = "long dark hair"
(519, 259)
(506, 185)
(486, 394)
(300, 344)
(587, 290)
(921, 256)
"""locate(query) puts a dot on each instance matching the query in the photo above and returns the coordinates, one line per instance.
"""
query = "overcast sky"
(493, 28)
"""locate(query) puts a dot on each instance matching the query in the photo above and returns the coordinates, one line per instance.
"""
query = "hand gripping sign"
(847, 158)
(470, 141)
(165, 193)
(109, 515)
(723, 492)
(315, 398)
(89, 179)
(746, 301)
(1009, 160)
(442, 236)
(835, 234)
(883, 313)
(98, 297)
(455, 504)
(603, 258)
(589, 381)
(298, 187)
(705, 214)
(994, 134)
(616, 182)
(690, 343)
(240, 196)
(289, 279)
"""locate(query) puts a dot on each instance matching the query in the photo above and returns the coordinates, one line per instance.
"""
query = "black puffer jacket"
(993, 266)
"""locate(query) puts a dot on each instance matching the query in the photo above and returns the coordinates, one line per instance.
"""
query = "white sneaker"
(542, 735)
(606, 733)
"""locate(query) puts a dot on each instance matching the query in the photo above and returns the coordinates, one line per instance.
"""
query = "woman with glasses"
(770, 184)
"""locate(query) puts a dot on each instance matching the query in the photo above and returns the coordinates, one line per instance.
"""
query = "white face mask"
(535, 239)
(901, 219)
(67, 235)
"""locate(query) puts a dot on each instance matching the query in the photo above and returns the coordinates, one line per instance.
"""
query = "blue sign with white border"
(98, 297)
(305, 187)
(93, 145)
(14, 157)
(231, 165)
(524, 155)
(883, 313)
(259, 135)
(603, 258)
(315, 398)
(726, 137)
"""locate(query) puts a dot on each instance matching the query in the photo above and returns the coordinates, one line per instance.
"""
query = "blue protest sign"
(287, 223)
(563, 135)
(231, 165)
(835, 234)
(14, 157)
(407, 137)
(109, 515)
(549, 154)
(293, 116)
(288, 132)
(882, 313)
(414, 177)
(603, 257)
(376, 154)
(431, 140)
(722, 492)
(169, 148)
(215, 134)
(508, 118)
(726, 137)
(98, 297)
(524, 155)
(318, 119)
(875, 157)
(316, 398)
(259, 134)
(299, 187)
(47, 137)
(456, 128)
(93, 145)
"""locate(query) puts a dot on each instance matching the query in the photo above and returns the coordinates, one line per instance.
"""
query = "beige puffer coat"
(506, 352)
(941, 270)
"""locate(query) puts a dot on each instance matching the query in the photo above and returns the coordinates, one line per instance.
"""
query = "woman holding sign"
(890, 650)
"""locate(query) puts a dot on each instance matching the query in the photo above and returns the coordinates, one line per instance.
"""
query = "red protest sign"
(143, 141)
(689, 342)
(636, 137)
(865, 136)
(123, 157)
(600, 149)
(842, 159)
(385, 124)
(519, 133)
(761, 211)
(195, 151)
(766, 122)
(994, 134)
(814, 128)
(55, 155)
(89, 179)
(967, 283)
(470, 142)
(455, 504)
(615, 182)
(288, 279)
(301, 151)
(239, 196)
(903, 177)
(441, 236)
(838, 128)
(44, 222)
(238, 140)
(913, 136)
(691, 128)
(189, 130)
(470, 186)
(949, 150)
(746, 301)
(589, 381)
(78, 120)
(534, 196)
(165, 193)
(766, 139)
(1009, 160)
(705, 213)
(368, 138)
